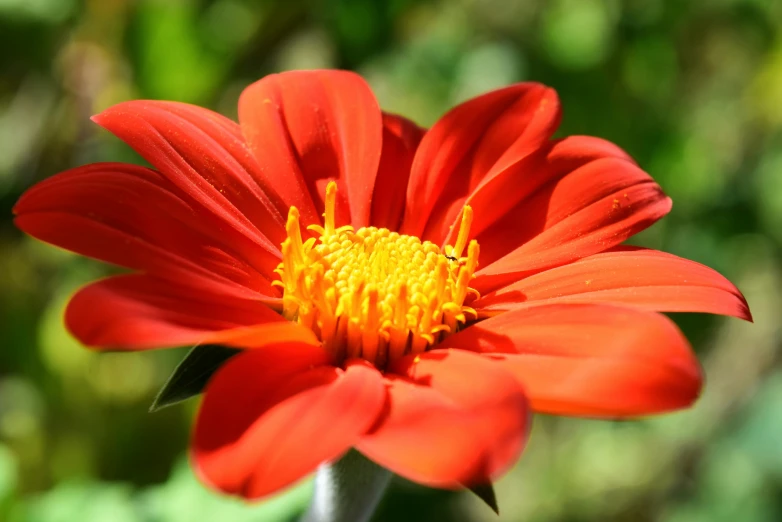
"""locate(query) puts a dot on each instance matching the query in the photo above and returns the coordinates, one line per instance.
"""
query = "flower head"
(412, 293)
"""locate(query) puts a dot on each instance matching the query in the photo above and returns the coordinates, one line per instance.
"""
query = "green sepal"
(485, 492)
(192, 374)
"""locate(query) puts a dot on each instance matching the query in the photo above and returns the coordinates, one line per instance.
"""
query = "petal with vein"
(271, 416)
(400, 141)
(453, 419)
(639, 277)
(137, 312)
(307, 128)
(132, 217)
(594, 360)
(481, 141)
(199, 152)
(592, 208)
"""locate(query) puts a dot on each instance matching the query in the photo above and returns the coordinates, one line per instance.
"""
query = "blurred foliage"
(691, 88)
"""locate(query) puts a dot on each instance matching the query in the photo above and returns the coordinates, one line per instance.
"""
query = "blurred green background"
(692, 89)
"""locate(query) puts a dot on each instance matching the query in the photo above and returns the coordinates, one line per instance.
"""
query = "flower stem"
(348, 490)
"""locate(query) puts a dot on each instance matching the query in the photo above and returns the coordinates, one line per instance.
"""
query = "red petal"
(132, 217)
(645, 278)
(136, 312)
(481, 140)
(453, 418)
(201, 153)
(271, 416)
(307, 128)
(400, 141)
(577, 213)
(262, 335)
(593, 360)
(496, 197)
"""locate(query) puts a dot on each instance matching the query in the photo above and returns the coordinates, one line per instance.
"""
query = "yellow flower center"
(373, 293)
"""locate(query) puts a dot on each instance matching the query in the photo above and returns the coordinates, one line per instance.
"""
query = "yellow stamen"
(331, 205)
(464, 231)
(374, 293)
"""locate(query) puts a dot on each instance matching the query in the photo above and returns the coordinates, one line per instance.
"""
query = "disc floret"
(373, 293)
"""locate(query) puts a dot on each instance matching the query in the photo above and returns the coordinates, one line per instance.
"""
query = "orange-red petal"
(271, 416)
(453, 418)
(639, 277)
(400, 141)
(496, 196)
(137, 312)
(592, 360)
(482, 139)
(203, 155)
(133, 217)
(307, 128)
(263, 335)
(590, 209)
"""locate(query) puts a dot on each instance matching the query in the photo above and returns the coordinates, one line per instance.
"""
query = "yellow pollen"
(372, 293)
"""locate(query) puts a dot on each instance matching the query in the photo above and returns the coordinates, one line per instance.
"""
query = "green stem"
(348, 490)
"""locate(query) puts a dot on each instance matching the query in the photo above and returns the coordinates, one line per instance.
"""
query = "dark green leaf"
(192, 374)
(485, 492)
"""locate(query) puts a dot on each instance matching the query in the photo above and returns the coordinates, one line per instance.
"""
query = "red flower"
(424, 357)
